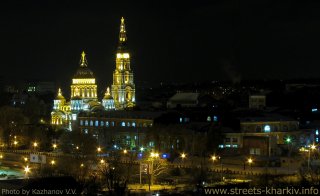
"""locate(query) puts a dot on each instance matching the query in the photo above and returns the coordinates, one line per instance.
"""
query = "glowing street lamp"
(125, 151)
(141, 149)
(25, 159)
(1, 156)
(54, 146)
(53, 162)
(250, 161)
(26, 170)
(81, 165)
(213, 158)
(102, 161)
(288, 140)
(15, 143)
(183, 156)
(99, 149)
(311, 148)
(153, 155)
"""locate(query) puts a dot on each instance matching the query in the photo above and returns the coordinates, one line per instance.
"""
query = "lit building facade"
(265, 137)
(118, 129)
(84, 89)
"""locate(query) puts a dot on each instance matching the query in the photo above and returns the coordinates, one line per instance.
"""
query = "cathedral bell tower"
(123, 87)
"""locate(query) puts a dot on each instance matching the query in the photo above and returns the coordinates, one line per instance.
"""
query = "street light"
(35, 144)
(183, 156)
(250, 161)
(54, 146)
(26, 170)
(99, 149)
(1, 156)
(25, 159)
(53, 162)
(215, 158)
(102, 161)
(288, 140)
(152, 155)
(311, 147)
(125, 151)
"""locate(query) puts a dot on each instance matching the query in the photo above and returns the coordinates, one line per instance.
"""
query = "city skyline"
(194, 42)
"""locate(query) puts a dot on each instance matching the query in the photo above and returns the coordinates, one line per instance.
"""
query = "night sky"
(187, 42)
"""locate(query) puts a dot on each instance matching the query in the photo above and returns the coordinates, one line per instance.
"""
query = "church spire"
(59, 95)
(122, 35)
(83, 61)
(59, 92)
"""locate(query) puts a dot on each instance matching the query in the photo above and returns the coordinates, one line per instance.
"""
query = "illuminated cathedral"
(84, 88)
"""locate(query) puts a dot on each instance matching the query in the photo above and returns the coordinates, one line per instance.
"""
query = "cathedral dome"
(84, 72)
(59, 95)
(107, 95)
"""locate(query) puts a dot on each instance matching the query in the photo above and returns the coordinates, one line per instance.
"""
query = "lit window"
(97, 123)
(81, 122)
(112, 123)
(317, 132)
(125, 55)
(107, 123)
(86, 123)
(134, 124)
(258, 129)
(209, 119)
(221, 146)
(235, 146)
(86, 131)
(180, 120)
(128, 124)
(267, 129)
(215, 118)
(91, 123)
(228, 145)
(102, 123)
(123, 124)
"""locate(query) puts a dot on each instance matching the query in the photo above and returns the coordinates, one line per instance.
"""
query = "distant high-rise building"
(123, 87)
(257, 101)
